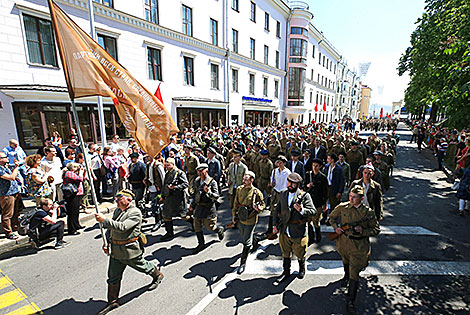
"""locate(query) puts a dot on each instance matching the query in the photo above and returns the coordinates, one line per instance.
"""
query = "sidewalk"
(7, 245)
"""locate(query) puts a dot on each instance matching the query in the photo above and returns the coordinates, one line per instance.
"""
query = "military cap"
(282, 158)
(378, 153)
(358, 190)
(134, 155)
(202, 166)
(251, 174)
(308, 151)
(237, 152)
(318, 161)
(264, 152)
(295, 152)
(294, 178)
(354, 142)
(369, 167)
(125, 193)
(212, 150)
(170, 160)
(197, 149)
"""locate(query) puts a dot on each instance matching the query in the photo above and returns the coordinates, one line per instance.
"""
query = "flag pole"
(87, 167)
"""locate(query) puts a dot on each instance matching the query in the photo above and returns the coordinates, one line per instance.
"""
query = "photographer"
(45, 221)
(248, 203)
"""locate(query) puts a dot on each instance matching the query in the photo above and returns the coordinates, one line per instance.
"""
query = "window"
(276, 88)
(277, 59)
(298, 47)
(296, 86)
(40, 41)
(299, 31)
(278, 29)
(311, 96)
(252, 48)
(234, 80)
(265, 86)
(253, 12)
(151, 11)
(266, 21)
(187, 21)
(109, 44)
(252, 84)
(319, 58)
(214, 76)
(266, 54)
(323, 61)
(108, 3)
(327, 63)
(234, 41)
(188, 71)
(235, 5)
(214, 40)
(311, 75)
(318, 79)
(313, 51)
(154, 63)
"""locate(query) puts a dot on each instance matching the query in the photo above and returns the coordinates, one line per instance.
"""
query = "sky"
(376, 31)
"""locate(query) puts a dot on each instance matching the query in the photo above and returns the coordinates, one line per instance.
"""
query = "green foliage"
(438, 62)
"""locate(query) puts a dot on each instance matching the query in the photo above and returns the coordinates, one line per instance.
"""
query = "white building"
(218, 62)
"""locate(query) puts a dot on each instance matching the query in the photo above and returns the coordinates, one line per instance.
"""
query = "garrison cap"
(295, 153)
(354, 142)
(251, 174)
(237, 152)
(369, 167)
(197, 149)
(264, 152)
(125, 193)
(358, 190)
(202, 166)
(294, 178)
(378, 153)
(170, 160)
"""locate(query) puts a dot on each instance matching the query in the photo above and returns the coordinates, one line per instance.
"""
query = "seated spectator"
(47, 225)
(37, 181)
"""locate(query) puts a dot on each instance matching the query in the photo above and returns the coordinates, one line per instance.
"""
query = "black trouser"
(97, 183)
(52, 230)
(73, 210)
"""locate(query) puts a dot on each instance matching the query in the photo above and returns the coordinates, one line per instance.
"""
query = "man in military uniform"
(354, 222)
(345, 166)
(205, 196)
(317, 187)
(291, 216)
(174, 198)
(355, 158)
(124, 230)
(190, 164)
(265, 168)
(247, 205)
(384, 169)
(274, 148)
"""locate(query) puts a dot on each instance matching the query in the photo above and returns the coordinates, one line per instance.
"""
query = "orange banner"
(90, 70)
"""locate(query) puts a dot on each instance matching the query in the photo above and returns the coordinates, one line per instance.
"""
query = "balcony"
(298, 5)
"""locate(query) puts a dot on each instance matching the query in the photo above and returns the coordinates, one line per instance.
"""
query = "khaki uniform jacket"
(274, 149)
(235, 178)
(263, 178)
(123, 226)
(190, 164)
(284, 213)
(247, 196)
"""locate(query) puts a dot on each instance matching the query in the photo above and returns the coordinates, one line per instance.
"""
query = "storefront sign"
(255, 99)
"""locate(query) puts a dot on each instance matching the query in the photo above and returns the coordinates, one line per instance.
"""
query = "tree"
(438, 62)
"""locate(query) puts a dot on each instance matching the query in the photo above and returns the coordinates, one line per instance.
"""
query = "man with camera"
(127, 247)
(291, 216)
(44, 225)
(205, 195)
(248, 203)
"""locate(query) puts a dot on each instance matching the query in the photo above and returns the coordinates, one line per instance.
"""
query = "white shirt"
(94, 160)
(366, 187)
(280, 178)
(52, 168)
(330, 174)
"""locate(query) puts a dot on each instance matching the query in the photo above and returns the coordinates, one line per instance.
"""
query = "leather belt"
(124, 242)
(355, 237)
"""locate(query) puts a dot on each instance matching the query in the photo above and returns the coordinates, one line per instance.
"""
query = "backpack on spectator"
(24, 226)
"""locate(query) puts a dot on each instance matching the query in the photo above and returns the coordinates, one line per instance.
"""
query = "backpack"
(24, 226)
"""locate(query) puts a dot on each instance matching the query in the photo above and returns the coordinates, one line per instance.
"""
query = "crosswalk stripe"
(26, 310)
(5, 282)
(394, 230)
(376, 267)
(11, 298)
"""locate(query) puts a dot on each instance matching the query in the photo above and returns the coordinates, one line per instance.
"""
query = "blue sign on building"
(255, 99)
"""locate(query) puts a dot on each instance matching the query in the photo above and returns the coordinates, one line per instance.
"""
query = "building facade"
(218, 62)
(365, 102)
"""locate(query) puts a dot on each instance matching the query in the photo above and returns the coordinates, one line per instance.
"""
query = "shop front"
(196, 113)
(259, 111)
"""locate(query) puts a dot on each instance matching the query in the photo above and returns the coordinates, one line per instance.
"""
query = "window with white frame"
(277, 59)
(266, 54)
(187, 20)
(154, 63)
(234, 40)
(253, 12)
(235, 5)
(214, 76)
(234, 80)
(151, 11)
(109, 44)
(252, 48)
(265, 86)
(252, 84)
(214, 36)
(278, 29)
(39, 41)
(266, 21)
(188, 70)
(276, 88)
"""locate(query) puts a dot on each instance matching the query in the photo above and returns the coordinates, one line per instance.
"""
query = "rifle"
(333, 235)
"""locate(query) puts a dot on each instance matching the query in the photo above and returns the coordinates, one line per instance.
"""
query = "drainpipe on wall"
(227, 67)
(286, 61)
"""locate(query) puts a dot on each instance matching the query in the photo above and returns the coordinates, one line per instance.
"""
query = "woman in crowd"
(36, 179)
(56, 139)
(73, 174)
(85, 204)
(112, 165)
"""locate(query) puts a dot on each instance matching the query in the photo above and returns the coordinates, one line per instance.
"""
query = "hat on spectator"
(354, 143)
(294, 178)
(237, 152)
(125, 193)
(202, 166)
(369, 167)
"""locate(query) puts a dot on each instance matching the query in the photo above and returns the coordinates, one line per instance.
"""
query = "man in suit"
(295, 165)
(318, 151)
(236, 171)
(291, 216)
(372, 191)
(334, 174)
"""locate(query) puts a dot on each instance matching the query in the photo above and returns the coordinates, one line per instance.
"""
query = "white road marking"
(377, 267)
(394, 230)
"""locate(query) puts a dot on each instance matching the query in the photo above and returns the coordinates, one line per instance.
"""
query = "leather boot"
(311, 234)
(317, 235)
(246, 250)
(201, 244)
(351, 297)
(191, 221)
(270, 226)
(169, 231)
(220, 232)
(286, 264)
(113, 295)
(157, 279)
(344, 281)
(301, 268)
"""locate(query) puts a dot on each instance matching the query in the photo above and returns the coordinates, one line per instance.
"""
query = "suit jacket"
(215, 170)
(337, 180)
(174, 200)
(299, 168)
(284, 214)
(236, 178)
(374, 196)
(321, 153)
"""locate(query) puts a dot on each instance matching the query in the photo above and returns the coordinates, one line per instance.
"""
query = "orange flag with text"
(91, 71)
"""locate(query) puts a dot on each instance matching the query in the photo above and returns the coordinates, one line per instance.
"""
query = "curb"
(23, 241)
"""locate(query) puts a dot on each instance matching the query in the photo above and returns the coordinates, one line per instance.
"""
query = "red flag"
(316, 107)
(381, 113)
(158, 94)
(324, 106)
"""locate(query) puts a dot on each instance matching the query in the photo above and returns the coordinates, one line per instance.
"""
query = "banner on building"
(91, 71)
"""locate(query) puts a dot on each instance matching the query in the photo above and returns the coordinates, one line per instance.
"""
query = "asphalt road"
(420, 264)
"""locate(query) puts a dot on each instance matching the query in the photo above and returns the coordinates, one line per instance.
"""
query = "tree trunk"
(434, 110)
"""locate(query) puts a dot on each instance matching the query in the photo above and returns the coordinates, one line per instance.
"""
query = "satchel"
(244, 213)
(69, 190)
